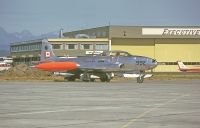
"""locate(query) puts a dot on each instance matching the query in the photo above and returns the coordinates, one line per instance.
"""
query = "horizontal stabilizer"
(182, 66)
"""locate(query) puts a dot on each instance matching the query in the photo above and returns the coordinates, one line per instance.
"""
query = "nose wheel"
(140, 79)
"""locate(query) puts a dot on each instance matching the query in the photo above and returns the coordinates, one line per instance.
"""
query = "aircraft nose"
(154, 63)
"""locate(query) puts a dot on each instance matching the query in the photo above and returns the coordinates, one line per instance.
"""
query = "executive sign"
(171, 31)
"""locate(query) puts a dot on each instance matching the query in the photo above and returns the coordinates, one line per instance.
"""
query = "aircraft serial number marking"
(140, 62)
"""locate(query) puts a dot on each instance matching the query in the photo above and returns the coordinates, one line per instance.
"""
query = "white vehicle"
(6, 60)
(4, 66)
(5, 63)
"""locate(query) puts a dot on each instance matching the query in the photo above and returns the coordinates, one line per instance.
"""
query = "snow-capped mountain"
(23, 35)
(7, 38)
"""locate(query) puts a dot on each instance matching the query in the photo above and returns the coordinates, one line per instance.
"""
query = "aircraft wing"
(102, 68)
(98, 69)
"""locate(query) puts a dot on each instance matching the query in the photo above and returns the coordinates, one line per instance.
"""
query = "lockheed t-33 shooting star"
(103, 66)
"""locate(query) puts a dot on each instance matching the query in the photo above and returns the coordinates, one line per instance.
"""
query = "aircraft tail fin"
(47, 53)
(182, 66)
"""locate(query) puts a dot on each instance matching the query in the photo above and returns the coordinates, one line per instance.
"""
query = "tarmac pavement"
(119, 104)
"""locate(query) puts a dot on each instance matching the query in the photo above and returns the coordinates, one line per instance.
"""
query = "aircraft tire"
(105, 78)
(85, 77)
(71, 78)
(140, 79)
(92, 79)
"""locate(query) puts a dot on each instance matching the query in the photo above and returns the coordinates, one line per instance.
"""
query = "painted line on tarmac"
(62, 110)
(132, 121)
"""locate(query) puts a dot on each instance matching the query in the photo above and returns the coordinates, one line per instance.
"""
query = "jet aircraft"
(104, 66)
(184, 68)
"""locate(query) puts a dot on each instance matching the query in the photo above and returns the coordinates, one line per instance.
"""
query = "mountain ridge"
(6, 38)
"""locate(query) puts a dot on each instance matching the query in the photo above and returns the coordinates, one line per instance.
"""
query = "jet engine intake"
(121, 65)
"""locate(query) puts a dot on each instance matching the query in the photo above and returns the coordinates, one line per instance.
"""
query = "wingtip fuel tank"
(57, 66)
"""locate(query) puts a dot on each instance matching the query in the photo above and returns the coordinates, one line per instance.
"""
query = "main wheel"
(72, 78)
(105, 77)
(92, 79)
(85, 77)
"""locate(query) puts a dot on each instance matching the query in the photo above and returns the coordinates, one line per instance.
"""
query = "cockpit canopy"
(116, 53)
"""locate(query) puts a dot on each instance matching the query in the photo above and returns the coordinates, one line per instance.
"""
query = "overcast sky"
(43, 16)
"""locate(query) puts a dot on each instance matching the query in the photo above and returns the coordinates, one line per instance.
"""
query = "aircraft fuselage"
(109, 63)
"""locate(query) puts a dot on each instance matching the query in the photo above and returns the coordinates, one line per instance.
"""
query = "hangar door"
(143, 47)
(171, 50)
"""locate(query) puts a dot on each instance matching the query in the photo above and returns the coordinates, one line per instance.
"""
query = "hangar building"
(166, 44)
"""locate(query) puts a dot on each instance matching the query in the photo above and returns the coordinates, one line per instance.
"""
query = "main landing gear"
(104, 77)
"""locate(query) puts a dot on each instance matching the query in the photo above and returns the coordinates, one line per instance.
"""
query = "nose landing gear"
(140, 79)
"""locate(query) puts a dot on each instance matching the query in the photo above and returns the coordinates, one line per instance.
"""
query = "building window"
(101, 46)
(87, 46)
(104, 34)
(57, 46)
(71, 46)
(12, 49)
(99, 34)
